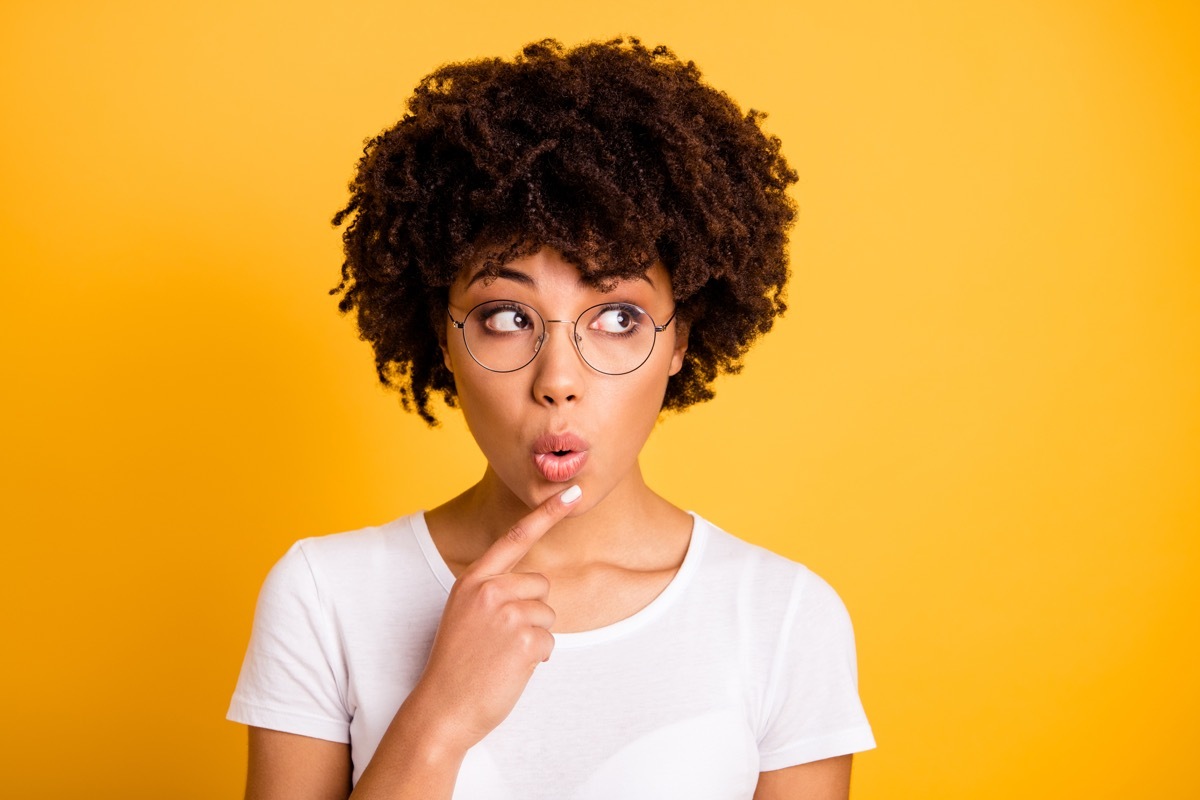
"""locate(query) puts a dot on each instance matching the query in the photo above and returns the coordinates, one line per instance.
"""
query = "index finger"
(509, 549)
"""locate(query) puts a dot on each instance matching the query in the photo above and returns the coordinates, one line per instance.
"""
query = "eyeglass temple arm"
(663, 327)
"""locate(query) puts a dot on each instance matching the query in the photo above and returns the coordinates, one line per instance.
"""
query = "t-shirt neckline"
(623, 627)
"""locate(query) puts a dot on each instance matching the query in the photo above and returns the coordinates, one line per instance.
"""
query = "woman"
(562, 246)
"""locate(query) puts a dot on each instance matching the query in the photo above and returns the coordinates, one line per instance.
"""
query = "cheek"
(634, 406)
(481, 401)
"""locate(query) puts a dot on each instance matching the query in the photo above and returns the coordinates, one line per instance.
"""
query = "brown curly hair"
(613, 154)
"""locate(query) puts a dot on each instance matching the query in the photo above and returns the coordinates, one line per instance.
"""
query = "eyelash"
(491, 312)
(629, 308)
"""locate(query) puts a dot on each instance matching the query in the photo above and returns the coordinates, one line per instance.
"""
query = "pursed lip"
(558, 442)
(559, 456)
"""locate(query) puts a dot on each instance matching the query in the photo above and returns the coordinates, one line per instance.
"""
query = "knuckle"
(528, 640)
(509, 615)
(540, 583)
(536, 642)
(490, 594)
(518, 534)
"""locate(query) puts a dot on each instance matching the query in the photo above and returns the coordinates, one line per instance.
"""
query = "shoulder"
(765, 581)
(731, 557)
(324, 563)
(333, 550)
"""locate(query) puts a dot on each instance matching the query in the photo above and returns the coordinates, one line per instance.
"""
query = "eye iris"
(614, 320)
(506, 320)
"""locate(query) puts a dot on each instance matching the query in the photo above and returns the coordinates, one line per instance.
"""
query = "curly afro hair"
(613, 154)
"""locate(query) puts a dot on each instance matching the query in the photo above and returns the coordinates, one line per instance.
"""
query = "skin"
(528, 564)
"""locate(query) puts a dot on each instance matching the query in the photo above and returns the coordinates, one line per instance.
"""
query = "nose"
(558, 368)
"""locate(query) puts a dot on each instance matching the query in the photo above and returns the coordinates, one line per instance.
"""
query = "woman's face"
(557, 421)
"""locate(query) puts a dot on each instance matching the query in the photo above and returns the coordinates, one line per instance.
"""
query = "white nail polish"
(571, 495)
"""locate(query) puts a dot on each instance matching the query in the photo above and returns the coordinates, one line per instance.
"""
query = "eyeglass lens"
(613, 338)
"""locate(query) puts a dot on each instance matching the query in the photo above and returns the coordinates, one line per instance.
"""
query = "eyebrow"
(503, 272)
(522, 278)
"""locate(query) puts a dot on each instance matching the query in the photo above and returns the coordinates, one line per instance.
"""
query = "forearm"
(417, 758)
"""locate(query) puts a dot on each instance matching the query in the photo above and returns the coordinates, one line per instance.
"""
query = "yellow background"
(980, 419)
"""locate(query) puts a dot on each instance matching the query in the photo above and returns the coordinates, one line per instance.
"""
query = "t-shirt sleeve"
(814, 711)
(293, 678)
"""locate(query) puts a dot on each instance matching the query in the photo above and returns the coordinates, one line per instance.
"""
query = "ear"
(443, 342)
(681, 345)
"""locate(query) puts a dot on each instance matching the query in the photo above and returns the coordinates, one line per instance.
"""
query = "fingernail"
(571, 495)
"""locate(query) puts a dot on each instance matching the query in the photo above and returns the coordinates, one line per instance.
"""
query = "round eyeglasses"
(612, 338)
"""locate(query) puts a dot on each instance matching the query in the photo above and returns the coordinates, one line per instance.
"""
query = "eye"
(505, 319)
(620, 318)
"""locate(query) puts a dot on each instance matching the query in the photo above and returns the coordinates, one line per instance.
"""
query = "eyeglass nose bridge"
(537, 344)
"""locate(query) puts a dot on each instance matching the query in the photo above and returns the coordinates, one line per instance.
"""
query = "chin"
(543, 491)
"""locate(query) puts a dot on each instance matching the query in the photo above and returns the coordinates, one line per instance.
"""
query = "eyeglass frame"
(575, 337)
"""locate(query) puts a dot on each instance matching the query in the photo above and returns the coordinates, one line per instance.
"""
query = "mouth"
(559, 456)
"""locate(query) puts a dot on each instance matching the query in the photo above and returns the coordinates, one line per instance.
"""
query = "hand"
(494, 632)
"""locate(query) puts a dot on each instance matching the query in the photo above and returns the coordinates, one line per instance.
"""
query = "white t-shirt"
(744, 663)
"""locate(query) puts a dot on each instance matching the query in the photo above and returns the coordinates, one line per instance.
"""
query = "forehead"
(547, 271)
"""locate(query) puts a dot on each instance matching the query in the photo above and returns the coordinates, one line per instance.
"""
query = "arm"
(827, 779)
(287, 766)
(493, 633)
